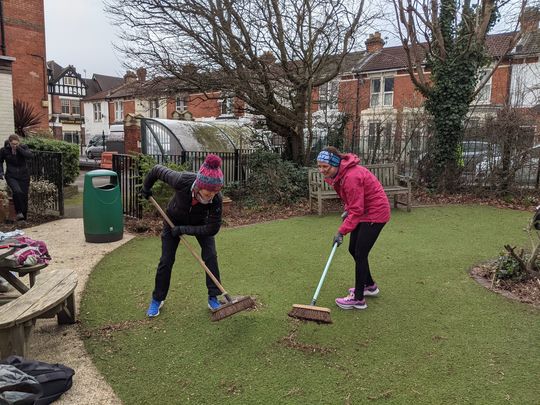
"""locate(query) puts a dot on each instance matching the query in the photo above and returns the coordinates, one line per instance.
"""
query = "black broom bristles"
(311, 313)
(238, 304)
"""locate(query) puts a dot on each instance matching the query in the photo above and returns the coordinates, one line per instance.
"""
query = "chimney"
(374, 43)
(141, 74)
(530, 19)
(130, 77)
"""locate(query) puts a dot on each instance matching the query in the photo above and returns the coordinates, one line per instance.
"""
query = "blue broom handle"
(321, 281)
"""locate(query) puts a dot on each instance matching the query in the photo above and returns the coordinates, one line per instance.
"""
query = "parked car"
(479, 157)
(94, 149)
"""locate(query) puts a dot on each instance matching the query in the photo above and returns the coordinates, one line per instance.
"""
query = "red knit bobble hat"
(210, 176)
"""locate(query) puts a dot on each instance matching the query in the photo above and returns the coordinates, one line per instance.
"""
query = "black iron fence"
(485, 158)
(129, 178)
(47, 166)
(235, 167)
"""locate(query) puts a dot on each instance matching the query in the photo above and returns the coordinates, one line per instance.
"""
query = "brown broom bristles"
(311, 313)
(238, 304)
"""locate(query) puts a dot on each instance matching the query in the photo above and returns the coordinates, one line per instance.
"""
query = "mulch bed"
(527, 291)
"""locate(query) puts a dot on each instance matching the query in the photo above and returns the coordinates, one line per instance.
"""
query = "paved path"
(61, 344)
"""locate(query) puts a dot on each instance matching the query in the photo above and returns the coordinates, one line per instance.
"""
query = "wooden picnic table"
(6, 271)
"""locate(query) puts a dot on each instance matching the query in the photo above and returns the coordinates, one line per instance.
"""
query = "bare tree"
(269, 53)
(449, 38)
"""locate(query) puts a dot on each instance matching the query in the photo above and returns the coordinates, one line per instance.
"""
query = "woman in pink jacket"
(367, 210)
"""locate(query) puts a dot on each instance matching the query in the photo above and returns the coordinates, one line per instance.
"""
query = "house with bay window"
(66, 88)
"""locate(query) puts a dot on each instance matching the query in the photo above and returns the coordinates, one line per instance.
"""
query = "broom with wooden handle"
(312, 312)
(233, 305)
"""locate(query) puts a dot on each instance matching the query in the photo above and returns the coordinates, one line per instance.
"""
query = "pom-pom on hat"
(210, 176)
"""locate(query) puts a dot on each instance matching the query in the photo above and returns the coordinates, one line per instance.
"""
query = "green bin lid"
(100, 173)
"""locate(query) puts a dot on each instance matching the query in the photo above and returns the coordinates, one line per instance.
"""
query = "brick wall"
(25, 41)
(201, 106)
(500, 85)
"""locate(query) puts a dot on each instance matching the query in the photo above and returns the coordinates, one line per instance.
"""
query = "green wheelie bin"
(102, 207)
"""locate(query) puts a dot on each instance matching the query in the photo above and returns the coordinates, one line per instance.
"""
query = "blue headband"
(330, 158)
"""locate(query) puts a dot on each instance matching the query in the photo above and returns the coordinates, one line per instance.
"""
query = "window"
(154, 108)
(71, 136)
(70, 81)
(75, 107)
(382, 92)
(181, 103)
(97, 111)
(118, 111)
(328, 95)
(484, 96)
(227, 106)
(65, 106)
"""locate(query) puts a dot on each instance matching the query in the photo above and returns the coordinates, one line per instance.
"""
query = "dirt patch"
(527, 291)
(291, 342)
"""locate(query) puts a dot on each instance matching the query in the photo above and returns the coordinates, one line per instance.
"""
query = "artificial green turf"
(433, 336)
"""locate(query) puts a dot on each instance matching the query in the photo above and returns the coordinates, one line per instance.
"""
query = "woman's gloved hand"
(338, 239)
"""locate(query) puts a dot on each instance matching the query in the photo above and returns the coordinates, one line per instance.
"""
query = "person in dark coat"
(195, 209)
(15, 154)
(367, 210)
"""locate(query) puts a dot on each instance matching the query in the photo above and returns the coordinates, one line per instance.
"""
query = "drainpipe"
(2, 31)
(356, 114)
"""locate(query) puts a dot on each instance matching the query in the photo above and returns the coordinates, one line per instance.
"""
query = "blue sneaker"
(213, 303)
(153, 309)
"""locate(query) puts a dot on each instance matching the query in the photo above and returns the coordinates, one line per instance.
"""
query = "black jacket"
(15, 164)
(199, 219)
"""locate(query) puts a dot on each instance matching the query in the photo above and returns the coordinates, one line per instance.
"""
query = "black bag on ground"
(16, 387)
(55, 379)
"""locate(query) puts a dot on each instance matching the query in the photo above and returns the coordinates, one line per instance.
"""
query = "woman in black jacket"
(17, 176)
(195, 209)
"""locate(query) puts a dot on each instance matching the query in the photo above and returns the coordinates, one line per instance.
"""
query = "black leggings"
(169, 245)
(19, 189)
(362, 240)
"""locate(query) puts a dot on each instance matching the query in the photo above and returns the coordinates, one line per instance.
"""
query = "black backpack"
(55, 379)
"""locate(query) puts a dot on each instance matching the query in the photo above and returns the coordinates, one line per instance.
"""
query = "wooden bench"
(394, 185)
(52, 295)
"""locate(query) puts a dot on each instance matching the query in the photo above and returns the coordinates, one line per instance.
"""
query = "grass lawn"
(433, 336)
(76, 199)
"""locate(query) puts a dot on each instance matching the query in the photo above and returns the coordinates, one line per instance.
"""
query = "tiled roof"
(56, 70)
(528, 44)
(107, 82)
(396, 58)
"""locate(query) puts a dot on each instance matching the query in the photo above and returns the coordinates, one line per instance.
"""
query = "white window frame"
(75, 106)
(227, 105)
(70, 81)
(65, 106)
(154, 108)
(181, 103)
(70, 135)
(484, 96)
(119, 111)
(328, 95)
(381, 97)
(97, 111)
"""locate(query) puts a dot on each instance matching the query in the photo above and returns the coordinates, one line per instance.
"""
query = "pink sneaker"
(349, 302)
(371, 291)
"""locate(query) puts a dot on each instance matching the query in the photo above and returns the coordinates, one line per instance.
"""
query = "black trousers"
(362, 240)
(169, 245)
(19, 188)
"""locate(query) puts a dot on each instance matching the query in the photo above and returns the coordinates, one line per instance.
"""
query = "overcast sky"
(78, 33)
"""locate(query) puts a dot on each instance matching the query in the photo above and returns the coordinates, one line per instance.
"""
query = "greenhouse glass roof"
(171, 137)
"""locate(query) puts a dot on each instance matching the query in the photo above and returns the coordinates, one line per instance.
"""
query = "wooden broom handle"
(188, 246)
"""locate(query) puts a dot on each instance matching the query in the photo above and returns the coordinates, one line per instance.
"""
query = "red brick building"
(23, 25)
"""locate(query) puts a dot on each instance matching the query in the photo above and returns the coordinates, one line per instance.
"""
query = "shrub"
(161, 191)
(41, 196)
(508, 268)
(70, 154)
(271, 180)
